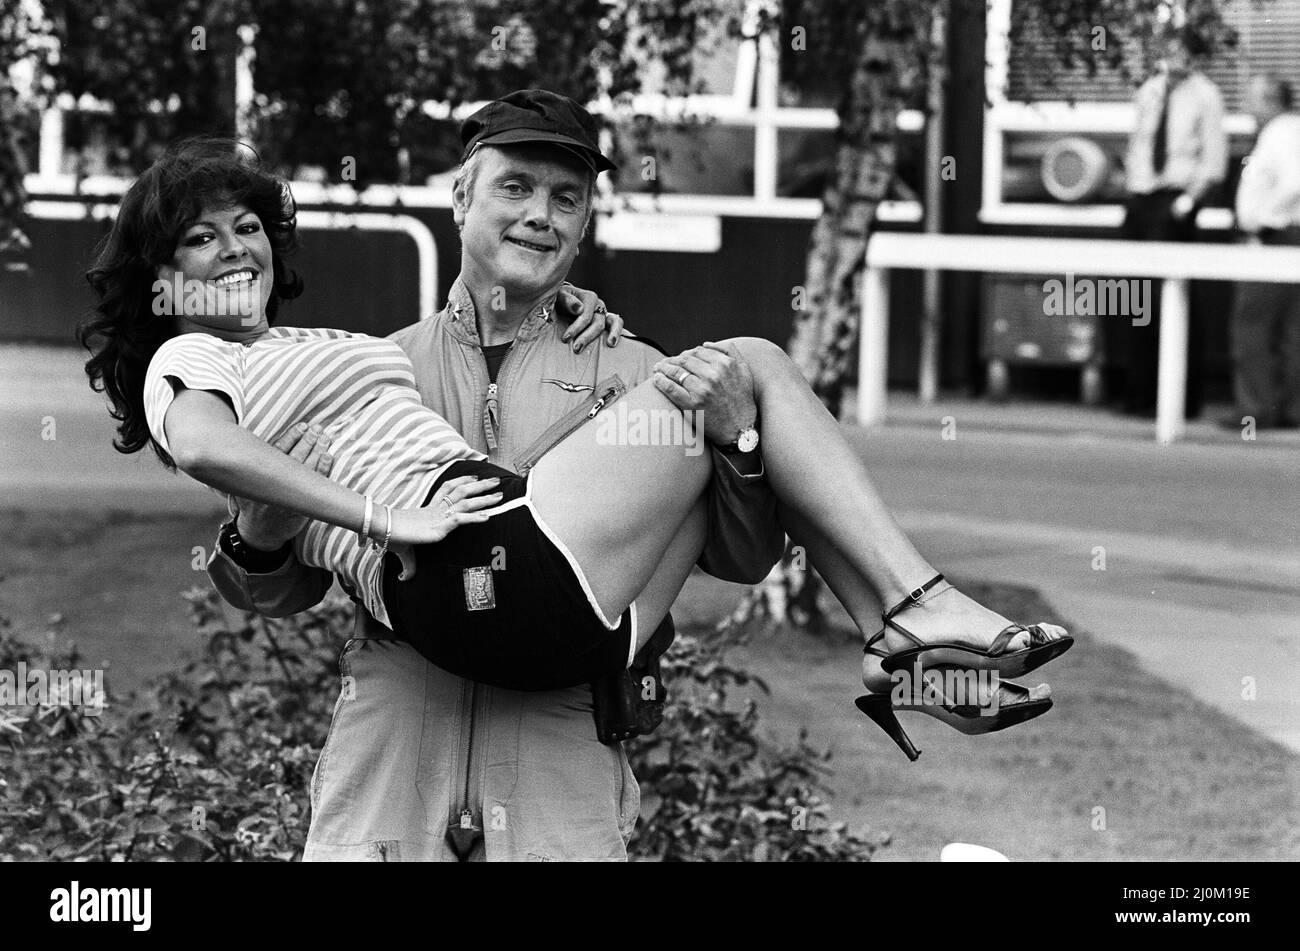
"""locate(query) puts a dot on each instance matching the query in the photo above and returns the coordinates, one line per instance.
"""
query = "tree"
(167, 67)
(25, 44)
(341, 80)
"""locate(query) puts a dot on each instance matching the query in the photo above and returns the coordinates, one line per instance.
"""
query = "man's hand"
(266, 527)
(716, 380)
(1182, 206)
(590, 319)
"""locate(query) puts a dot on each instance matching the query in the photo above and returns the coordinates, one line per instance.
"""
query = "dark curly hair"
(122, 332)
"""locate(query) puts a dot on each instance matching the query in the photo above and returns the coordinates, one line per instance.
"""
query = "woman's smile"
(224, 256)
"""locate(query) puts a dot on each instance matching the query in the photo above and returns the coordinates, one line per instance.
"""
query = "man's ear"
(459, 202)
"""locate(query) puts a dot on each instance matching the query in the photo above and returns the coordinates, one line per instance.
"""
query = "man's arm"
(283, 591)
(1212, 168)
(744, 538)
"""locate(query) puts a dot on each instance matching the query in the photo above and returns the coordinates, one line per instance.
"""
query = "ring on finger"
(681, 377)
(451, 506)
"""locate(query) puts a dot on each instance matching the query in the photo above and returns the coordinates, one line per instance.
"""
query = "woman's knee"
(759, 350)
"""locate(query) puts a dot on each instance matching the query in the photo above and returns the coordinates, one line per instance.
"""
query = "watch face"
(748, 440)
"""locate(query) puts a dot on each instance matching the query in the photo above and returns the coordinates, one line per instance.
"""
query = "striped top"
(359, 389)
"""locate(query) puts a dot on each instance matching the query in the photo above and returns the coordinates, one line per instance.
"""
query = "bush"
(713, 789)
(214, 763)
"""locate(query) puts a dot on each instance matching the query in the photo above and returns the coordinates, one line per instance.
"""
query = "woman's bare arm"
(209, 445)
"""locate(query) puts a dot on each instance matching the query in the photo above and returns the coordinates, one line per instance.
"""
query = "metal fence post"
(873, 346)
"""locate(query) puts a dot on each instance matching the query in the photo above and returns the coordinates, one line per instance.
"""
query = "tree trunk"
(825, 332)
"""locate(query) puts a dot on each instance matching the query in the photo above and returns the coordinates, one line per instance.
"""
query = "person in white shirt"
(1266, 317)
(1177, 154)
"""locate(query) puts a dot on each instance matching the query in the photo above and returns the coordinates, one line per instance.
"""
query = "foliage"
(167, 67)
(214, 763)
(22, 40)
(342, 79)
(1111, 35)
(712, 788)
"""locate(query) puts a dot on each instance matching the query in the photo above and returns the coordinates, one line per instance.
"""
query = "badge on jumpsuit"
(480, 595)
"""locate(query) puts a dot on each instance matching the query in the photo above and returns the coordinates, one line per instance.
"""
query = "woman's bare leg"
(859, 600)
(815, 471)
(618, 505)
(657, 597)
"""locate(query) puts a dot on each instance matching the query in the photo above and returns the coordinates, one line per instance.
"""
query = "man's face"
(1260, 102)
(521, 226)
(1175, 56)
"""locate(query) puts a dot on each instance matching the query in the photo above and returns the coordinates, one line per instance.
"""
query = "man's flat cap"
(536, 115)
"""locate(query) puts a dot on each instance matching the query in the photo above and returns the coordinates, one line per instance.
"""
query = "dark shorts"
(499, 602)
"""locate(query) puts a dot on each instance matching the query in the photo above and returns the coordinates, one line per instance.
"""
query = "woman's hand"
(590, 319)
(457, 502)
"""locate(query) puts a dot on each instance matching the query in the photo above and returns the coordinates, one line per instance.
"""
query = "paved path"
(1201, 545)
(1201, 539)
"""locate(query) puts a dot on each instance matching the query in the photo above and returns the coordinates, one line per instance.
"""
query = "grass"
(1125, 767)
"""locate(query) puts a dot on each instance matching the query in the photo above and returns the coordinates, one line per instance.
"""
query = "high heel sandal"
(964, 717)
(1042, 648)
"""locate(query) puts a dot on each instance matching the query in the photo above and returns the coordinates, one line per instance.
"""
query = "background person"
(1266, 316)
(1177, 153)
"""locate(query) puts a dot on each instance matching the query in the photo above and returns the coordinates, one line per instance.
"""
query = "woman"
(456, 555)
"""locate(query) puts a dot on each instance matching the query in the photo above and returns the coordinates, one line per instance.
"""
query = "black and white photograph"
(711, 431)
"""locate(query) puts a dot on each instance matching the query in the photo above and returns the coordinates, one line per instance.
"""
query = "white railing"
(1174, 264)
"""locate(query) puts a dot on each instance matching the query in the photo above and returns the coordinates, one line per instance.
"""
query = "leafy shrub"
(713, 789)
(214, 762)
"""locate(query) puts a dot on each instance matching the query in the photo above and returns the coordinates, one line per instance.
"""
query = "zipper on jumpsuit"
(466, 829)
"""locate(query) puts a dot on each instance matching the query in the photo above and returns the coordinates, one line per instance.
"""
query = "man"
(420, 764)
(1177, 153)
(1266, 318)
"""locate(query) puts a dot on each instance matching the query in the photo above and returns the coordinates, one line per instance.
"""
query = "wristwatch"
(252, 560)
(745, 442)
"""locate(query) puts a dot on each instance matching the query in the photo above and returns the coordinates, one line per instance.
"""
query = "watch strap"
(252, 560)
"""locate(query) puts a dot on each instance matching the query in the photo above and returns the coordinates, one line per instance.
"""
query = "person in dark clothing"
(1177, 154)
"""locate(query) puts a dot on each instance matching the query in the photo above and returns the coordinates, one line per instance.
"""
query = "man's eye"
(567, 201)
(513, 188)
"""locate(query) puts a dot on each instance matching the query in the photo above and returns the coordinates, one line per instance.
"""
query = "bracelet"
(382, 547)
(364, 534)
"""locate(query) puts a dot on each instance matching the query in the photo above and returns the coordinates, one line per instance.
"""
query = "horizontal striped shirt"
(359, 390)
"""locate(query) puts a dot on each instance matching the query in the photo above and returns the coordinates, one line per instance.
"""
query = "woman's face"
(222, 273)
